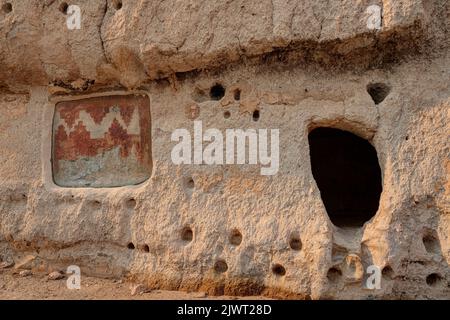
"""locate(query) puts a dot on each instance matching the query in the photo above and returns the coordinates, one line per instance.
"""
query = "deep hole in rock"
(235, 237)
(348, 175)
(217, 92)
(220, 266)
(63, 7)
(378, 91)
(226, 114)
(278, 270)
(334, 274)
(146, 248)
(187, 234)
(295, 243)
(130, 246)
(237, 94)
(433, 279)
(255, 115)
(7, 7)
(387, 273)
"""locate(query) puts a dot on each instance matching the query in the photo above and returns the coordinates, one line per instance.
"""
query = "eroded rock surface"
(226, 229)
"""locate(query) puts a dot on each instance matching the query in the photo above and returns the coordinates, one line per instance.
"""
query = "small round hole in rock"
(387, 273)
(255, 115)
(7, 7)
(334, 274)
(295, 243)
(235, 237)
(63, 7)
(237, 94)
(378, 91)
(117, 4)
(217, 92)
(220, 266)
(130, 246)
(227, 114)
(278, 270)
(146, 248)
(187, 234)
(433, 279)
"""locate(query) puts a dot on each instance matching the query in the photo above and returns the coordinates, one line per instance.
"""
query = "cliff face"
(87, 119)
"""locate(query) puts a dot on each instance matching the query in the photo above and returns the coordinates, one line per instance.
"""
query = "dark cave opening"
(348, 175)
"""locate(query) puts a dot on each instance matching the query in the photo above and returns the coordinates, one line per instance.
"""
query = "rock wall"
(75, 151)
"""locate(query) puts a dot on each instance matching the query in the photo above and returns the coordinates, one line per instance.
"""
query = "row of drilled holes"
(217, 92)
(432, 279)
(221, 266)
(255, 115)
(377, 91)
(235, 239)
(295, 243)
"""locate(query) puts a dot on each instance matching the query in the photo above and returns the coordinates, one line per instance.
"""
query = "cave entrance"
(348, 175)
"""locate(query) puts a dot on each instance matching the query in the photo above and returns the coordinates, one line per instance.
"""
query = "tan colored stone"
(55, 275)
(302, 65)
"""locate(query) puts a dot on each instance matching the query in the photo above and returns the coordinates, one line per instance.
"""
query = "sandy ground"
(37, 286)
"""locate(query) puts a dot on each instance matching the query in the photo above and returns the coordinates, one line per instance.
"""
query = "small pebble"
(25, 273)
(55, 275)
